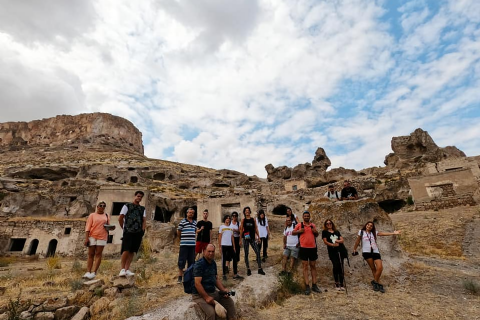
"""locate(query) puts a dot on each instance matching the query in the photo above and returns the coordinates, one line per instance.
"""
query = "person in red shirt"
(96, 237)
(308, 250)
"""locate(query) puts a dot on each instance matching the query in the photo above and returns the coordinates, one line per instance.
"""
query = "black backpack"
(188, 280)
(133, 218)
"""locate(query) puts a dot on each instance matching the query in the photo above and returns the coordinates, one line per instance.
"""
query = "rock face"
(418, 148)
(96, 129)
(315, 171)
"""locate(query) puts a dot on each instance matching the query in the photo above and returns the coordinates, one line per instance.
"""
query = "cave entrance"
(162, 214)
(228, 208)
(17, 244)
(391, 206)
(280, 210)
(52, 248)
(33, 247)
(183, 213)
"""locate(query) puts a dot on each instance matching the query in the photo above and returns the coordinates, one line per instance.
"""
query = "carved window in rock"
(17, 244)
(441, 190)
(117, 207)
(68, 230)
(162, 214)
(228, 208)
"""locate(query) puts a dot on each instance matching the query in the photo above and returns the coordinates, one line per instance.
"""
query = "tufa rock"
(44, 316)
(123, 282)
(82, 314)
(25, 315)
(66, 313)
(99, 306)
(51, 304)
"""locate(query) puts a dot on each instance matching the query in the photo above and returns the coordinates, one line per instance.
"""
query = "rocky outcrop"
(417, 149)
(315, 170)
(100, 130)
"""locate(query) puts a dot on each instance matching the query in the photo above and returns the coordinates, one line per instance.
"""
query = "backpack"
(188, 280)
(133, 218)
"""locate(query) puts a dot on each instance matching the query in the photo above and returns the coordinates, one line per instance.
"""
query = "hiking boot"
(380, 288)
(264, 259)
(224, 278)
(249, 272)
(237, 277)
(375, 285)
(179, 280)
(122, 273)
(316, 289)
(307, 290)
(260, 271)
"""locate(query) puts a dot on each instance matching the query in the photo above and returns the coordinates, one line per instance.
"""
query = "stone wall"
(96, 129)
(67, 234)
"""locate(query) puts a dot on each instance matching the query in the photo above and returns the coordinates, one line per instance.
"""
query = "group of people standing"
(234, 233)
(300, 242)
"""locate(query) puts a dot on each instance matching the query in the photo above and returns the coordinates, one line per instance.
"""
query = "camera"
(230, 293)
(355, 253)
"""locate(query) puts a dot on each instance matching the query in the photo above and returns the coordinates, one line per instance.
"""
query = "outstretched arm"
(389, 233)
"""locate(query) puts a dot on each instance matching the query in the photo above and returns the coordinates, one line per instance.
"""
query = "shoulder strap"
(336, 195)
(108, 222)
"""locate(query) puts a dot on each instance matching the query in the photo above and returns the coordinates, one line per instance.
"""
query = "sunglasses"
(102, 206)
(328, 223)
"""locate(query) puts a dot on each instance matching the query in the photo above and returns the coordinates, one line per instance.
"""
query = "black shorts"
(131, 241)
(308, 254)
(186, 255)
(371, 255)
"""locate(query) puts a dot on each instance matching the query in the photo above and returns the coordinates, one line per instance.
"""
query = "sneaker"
(316, 289)
(179, 279)
(337, 286)
(122, 273)
(91, 276)
(342, 288)
(260, 271)
(129, 273)
(380, 288)
(375, 285)
(86, 275)
(237, 277)
(264, 259)
(307, 290)
(249, 272)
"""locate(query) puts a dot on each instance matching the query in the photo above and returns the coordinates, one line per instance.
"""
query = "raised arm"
(389, 233)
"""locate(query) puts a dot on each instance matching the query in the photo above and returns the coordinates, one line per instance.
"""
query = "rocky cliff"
(98, 130)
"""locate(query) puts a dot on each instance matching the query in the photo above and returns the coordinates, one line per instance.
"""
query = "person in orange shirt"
(96, 237)
(308, 250)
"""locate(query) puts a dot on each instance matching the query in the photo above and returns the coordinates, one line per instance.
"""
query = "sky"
(241, 84)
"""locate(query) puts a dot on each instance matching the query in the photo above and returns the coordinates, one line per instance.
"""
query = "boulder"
(66, 313)
(93, 284)
(321, 162)
(123, 282)
(160, 235)
(100, 305)
(82, 314)
(111, 292)
(3, 316)
(44, 316)
(25, 315)
(51, 304)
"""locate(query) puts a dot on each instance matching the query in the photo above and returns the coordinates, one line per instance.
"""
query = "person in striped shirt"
(186, 231)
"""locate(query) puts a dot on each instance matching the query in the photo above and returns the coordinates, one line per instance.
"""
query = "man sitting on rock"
(349, 192)
(206, 279)
(332, 194)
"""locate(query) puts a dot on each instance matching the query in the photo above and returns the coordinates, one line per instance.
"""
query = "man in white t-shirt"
(290, 247)
(332, 194)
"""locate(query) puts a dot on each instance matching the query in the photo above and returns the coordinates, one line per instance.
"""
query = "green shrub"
(77, 267)
(471, 286)
(76, 284)
(410, 200)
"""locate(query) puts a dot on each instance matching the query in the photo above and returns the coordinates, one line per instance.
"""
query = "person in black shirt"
(349, 192)
(249, 233)
(206, 279)
(204, 234)
(333, 239)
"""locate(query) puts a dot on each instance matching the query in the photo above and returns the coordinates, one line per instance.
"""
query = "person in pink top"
(96, 237)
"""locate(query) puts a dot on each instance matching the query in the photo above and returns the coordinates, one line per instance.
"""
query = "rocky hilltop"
(101, 130)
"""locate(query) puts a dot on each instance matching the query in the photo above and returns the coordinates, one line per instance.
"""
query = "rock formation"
(100, 130)
(416, 149)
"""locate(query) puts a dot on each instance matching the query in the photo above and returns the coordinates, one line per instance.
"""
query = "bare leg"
(379, 269)
(124, 258)
(129, 260)
(292, 263)
(91, 255)
(98, 258)
(305, 272)
(313, 270)
(284, 263)
(371, 264)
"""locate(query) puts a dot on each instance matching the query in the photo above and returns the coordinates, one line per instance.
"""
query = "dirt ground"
(437, 279)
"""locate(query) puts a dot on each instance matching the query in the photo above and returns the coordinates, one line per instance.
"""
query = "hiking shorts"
(131, 241)
(96, 242)
(308, 254)
(291, 252)
(186, 255)
(371, 255)
(199, 246)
